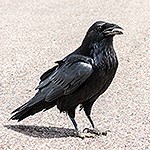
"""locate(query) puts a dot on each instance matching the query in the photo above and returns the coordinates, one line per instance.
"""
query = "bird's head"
(101, 30)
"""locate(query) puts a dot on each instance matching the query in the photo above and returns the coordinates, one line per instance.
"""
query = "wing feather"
(67, 79)
(63, 80)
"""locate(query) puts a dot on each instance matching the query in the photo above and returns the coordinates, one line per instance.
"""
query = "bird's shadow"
(42, 131)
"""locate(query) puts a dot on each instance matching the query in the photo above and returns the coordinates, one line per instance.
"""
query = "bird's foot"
(91, 133)
(95, 131)
(83, 135)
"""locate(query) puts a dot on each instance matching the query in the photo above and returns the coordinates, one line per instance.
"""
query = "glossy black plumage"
(80, 78)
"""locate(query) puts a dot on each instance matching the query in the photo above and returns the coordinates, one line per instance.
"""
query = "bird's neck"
(104, 46)
(103, 54)
(83, 50)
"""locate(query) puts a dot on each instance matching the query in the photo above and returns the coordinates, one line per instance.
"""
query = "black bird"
(78, 79)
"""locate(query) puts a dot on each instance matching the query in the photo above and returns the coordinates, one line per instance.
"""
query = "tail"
(27, 110)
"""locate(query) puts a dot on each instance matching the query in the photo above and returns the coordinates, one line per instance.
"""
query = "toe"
(85, 135)
(92, 131)
(95, 131)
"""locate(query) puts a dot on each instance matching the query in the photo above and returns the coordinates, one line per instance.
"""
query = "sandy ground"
(34, 34)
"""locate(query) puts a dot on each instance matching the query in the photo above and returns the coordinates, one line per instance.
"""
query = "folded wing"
(65, 79)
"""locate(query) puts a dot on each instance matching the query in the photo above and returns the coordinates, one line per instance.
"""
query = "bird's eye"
(99, 28)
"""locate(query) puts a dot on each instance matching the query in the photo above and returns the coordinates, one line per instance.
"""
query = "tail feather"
(19, 108)
(20, 115)
(25, 111)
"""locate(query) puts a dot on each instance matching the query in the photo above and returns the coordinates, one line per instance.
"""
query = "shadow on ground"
(42, 132)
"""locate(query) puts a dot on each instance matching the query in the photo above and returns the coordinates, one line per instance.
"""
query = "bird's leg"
(71, 113)
(82, 135)
(79, 134)
(74, 123)
(95, 131)
(91, 121)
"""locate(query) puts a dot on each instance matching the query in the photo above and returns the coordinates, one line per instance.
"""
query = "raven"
(78, 79)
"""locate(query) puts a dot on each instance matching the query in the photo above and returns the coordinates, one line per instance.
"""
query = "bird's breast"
(105, 63)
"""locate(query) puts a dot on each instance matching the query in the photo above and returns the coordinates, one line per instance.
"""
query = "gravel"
(34, 34)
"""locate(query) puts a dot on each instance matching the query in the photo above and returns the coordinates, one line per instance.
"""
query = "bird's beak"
(115, 30)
